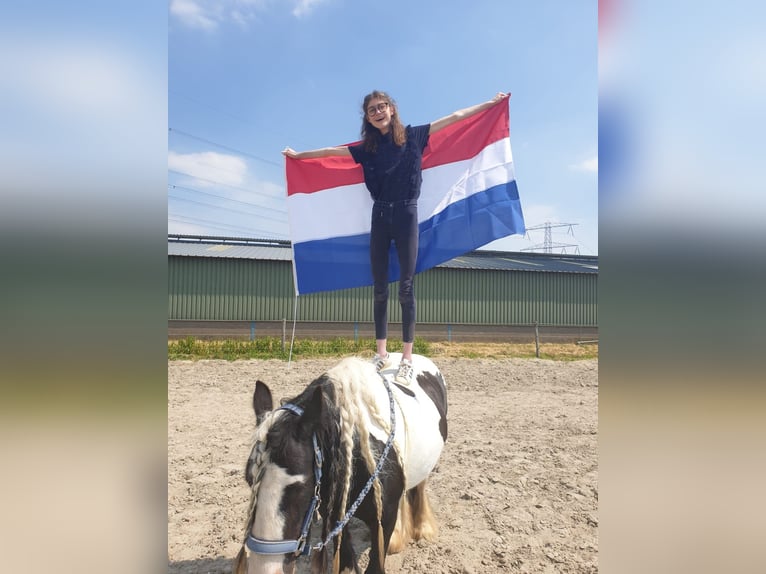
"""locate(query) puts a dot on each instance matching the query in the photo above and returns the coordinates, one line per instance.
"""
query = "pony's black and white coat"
(347, 410)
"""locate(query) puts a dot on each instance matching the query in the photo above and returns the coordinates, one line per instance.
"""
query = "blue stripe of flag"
(344, 262)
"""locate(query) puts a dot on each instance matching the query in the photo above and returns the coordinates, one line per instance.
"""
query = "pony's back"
(421, 408)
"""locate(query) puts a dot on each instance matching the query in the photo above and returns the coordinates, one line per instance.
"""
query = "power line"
(226, 227)
(173, 186)
(213, 206)
(548, 244)
(212, 165)
(211, 107)
(221, 183)
(222, 146)
(259, 207)
(240, 119)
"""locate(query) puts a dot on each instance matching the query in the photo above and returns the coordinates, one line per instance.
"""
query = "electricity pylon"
(548, 244)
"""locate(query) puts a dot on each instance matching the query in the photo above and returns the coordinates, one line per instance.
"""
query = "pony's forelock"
(259, 462)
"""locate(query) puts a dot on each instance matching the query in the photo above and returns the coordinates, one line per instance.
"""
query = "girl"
(391, 157)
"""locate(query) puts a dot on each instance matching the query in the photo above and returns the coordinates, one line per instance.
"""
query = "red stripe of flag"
(459, 141)
(466, 138)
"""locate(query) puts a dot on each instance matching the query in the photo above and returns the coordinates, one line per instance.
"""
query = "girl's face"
(379, 113)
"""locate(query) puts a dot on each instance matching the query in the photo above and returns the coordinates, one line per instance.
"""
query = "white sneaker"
(381, 362)
(405, 374)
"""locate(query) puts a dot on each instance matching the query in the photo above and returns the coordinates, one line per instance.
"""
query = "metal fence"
(449, 332)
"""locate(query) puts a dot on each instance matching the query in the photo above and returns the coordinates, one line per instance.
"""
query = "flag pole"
(292, 337)
(295, 270)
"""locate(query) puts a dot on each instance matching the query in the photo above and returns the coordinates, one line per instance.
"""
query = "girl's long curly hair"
(370, 134)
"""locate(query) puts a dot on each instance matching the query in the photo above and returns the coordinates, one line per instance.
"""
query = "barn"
(240, 288)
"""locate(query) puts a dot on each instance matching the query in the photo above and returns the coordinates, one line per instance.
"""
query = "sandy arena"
(516, 489)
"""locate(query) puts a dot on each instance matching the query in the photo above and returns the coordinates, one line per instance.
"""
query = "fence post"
(449, 333)
(356, 332)
(537, 341)
(284, 333)
(252, 330)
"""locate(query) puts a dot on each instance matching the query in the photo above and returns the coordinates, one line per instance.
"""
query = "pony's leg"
(379, 541)
(423, 522)
(318, 562)
(348, 561)
(402, 533)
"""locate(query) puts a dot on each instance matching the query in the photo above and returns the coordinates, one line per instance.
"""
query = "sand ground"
(516, 489)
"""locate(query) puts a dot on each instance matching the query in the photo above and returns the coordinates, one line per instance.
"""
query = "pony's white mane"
(354, 396)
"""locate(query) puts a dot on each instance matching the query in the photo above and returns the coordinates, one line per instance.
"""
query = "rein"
(299, 546)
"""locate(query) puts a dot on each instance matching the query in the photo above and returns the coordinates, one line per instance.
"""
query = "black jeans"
(398, 222)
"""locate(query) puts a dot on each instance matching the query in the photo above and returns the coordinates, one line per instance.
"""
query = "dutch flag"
(468, 198)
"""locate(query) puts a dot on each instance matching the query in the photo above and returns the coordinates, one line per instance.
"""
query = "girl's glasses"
(381, 107)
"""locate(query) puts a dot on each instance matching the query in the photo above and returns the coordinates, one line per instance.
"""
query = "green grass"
(271, 348)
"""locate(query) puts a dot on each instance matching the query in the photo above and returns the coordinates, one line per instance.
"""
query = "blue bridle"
(299, 546)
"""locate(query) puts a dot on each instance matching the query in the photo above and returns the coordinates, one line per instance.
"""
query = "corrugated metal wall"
(228, 289)
(247, 290)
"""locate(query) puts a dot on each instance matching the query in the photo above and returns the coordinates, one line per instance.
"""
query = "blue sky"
(248, 77)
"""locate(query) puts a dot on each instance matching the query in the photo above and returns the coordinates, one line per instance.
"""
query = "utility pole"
(548, 244)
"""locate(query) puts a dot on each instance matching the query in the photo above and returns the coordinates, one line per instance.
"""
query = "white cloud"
(210, 14)
(233, 200)
(207, 167)
(589, 165)
(304, 7)
(193, 14)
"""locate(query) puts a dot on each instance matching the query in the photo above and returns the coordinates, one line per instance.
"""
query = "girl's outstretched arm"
(442, 123)
(321, 152)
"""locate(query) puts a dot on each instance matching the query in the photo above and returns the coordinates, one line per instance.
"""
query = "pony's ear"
(312, 413)
(262, 401)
